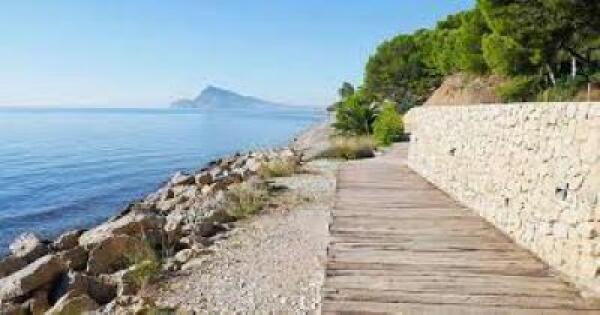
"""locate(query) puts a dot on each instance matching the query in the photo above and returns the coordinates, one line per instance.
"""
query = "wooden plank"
(400, 245)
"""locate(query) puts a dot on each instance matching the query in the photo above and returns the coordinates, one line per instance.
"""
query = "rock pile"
(103, 268)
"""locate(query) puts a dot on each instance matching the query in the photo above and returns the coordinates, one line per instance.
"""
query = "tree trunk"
(574, 67)
(551, 74)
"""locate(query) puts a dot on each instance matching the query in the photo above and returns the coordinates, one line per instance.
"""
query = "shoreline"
(54, 234)
(35, 268)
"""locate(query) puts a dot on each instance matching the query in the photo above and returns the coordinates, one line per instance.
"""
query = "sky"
(148, 53)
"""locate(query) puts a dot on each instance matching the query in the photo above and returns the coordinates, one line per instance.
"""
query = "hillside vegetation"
(501, 50)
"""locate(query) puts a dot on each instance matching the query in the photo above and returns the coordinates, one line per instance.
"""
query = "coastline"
(97, 257)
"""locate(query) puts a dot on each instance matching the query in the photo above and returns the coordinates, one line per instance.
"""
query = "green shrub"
(563, 91)
(245, 199)
(354, 117)
(144, 266)
(350, 148)
(519, 89)
(388, 127)
(279, 167)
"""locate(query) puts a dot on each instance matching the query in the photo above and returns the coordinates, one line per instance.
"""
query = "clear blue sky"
(148, 53)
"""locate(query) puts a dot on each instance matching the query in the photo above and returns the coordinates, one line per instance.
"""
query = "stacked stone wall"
(532, 170)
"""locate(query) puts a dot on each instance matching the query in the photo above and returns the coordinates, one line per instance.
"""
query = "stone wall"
(533, 170)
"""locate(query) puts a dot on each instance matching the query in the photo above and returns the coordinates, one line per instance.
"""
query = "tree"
(397, 72)
(354, 116)
(469, 42)
(388, 127)
(544, 30)
(504, 55)
(346, 90)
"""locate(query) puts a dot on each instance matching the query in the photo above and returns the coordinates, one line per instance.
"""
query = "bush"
(279, 167)
(519, 89)
(245, 199)
(388, 127)
(144, 267)
(354, 117)
(350, 148)
(563, 91)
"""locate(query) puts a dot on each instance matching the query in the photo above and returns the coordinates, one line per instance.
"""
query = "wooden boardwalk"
(400, 245)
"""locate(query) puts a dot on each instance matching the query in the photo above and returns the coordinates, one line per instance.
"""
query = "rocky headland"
(120, 266)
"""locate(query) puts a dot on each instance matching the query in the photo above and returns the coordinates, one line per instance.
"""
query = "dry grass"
(144, 267)
(245, 199)
(279, 167)
(350, 148)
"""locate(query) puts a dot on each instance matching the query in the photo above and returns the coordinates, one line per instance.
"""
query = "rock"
(182, 179)
(71, 281)
(167, 205)
(37, 304)
(28, 247)
(206, 229)
(41, 272)
(75, 258)
(73, 303)
(253, 165)
(124, 281)
(130, 224)
(183, 256)
(10, 264)
(67, 240)
(173, 224)
(115, 253)
(12, 309)
(207, 189)
(203, 178)
(99, 289)
(129, 304)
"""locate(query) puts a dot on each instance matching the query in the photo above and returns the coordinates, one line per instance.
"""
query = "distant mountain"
(214, 97)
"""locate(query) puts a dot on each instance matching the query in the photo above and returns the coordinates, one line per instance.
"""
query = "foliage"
(388, 126)
(562, 91)
(532, 43)
(279, 167)
(354, 116)
(350, 148)
(503, 55)
(245, 199)
(346, 90)
(398, 72)
(144, 266)
(519, 89)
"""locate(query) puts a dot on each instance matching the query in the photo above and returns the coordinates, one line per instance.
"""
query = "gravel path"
(271, 263)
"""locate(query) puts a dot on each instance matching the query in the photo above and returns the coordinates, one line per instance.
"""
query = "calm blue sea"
(70, 168)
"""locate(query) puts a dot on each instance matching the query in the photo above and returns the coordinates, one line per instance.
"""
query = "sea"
(64, 169)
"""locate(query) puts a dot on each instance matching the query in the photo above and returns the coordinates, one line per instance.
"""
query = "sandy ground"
(271, 263)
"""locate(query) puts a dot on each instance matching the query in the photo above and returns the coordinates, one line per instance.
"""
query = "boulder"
(174, 222)
(204, 178)
(41, 272)
(99, 289)
(115, 253)
(37, 304)
(67, 240)
(167, 205)
(28, 247)
(73, 303)
(12, 309)
(74, 258)
(182, 179)
(183, 256)
(123, 281)
(130, 224)
(10, 264)
(253, 165)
